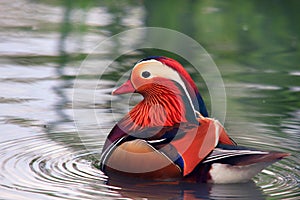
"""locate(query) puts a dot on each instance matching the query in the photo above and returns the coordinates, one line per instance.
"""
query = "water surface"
(42, 45)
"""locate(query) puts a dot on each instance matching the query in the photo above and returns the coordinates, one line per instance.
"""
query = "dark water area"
(45, 44)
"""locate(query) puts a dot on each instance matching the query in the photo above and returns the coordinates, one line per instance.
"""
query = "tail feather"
(235, 164)
(237, 155)
(270, 157)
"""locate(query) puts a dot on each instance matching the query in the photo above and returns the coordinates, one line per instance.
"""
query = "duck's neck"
(161, 107)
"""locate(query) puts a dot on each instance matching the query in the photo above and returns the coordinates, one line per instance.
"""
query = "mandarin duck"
(169, 135)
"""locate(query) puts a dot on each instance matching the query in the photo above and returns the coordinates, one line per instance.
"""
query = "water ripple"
(280, 182)
(51, 169)
(45, 169)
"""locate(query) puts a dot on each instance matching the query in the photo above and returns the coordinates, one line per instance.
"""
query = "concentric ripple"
(41, 167)
(281, 181)
(44, 169)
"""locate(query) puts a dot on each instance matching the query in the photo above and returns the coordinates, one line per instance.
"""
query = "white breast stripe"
(156, 141)
(107, 152)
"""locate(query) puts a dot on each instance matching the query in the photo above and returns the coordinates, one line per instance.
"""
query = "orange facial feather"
(162, 106)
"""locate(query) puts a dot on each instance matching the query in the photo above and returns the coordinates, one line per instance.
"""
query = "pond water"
(44, 43)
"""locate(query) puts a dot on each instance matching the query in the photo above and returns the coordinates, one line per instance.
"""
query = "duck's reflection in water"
(139, 189)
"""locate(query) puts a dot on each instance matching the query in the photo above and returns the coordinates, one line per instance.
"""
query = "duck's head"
(158, 76)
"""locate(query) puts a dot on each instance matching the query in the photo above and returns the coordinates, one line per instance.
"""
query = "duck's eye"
(146, 74)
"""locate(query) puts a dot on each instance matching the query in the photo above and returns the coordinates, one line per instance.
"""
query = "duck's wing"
(238, 155)
(197, 143)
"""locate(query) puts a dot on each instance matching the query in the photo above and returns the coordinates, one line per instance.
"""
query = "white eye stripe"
(158, 69)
